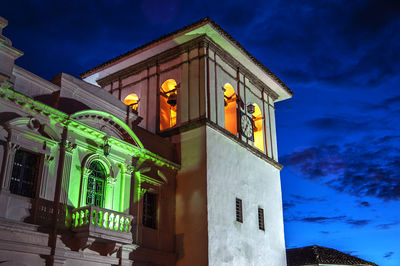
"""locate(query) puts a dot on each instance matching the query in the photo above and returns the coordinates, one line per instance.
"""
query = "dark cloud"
(330, 219)
(388, 254)
(357, 223)
(298, 199)
(332, 123)
(317, 219)
(373, 16)
(324, 232)
(306, 199)
(364, 204)
(368, 168)
(388, 225)
(288, 205)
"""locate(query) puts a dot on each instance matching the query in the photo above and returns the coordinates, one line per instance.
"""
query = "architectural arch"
(34, 125)
(132, 100)
(122, 130)
(230, 108)
(90, 180)
(168, 104)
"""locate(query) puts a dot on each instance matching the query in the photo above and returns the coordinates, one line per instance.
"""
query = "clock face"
(247, 126)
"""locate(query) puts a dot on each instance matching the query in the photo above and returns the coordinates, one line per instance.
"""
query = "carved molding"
(48, 158)
(142, 191)
(111, 180)
(69, 146)
(129, 169)
(12, 147)
(87, 172)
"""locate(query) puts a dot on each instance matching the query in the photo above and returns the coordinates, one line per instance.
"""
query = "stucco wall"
(234, 172)
(191, 200)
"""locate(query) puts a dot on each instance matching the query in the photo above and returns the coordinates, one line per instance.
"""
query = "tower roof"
(312, 255)
(94, 74)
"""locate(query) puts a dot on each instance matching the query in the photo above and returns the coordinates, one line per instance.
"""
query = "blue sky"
(338, 136)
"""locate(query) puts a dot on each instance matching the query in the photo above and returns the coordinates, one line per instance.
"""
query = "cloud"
(332, 123)
(358, 223)
(288, 205)
(316, 219)
(387, 225)
(387, 104)
(329, 219)
(306, 199)
(388, 254)
(370, 167)
(364, 204)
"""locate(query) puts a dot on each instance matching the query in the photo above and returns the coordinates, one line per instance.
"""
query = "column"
(68, 149)
(8, 164)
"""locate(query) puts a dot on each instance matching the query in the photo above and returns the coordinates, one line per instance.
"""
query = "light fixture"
(106, 147)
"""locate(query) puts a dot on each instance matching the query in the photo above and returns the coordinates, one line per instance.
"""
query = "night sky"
(338, 137)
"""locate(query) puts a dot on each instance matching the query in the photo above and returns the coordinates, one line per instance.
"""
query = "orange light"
(132, 100)
(258, 128)
(230, 109)
(168, 110)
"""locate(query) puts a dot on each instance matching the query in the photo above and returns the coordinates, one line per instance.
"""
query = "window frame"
(149, 210)
(239, 210)
(261, 224)
(97, 180)
(21, 174)
(161, 93)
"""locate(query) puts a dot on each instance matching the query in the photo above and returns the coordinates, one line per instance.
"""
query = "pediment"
(108, 124)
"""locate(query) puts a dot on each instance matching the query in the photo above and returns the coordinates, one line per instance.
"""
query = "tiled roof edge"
(199, 22)
(316, 251)
(83, 75)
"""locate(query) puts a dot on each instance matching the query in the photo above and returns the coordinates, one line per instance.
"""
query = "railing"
(92, 219)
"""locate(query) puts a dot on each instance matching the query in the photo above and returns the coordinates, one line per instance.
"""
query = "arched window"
(96, 184)
(132, 100)
(168, 102)
(230, 109)
(258, 128)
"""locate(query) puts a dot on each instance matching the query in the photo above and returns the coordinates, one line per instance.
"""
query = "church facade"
(165, 155)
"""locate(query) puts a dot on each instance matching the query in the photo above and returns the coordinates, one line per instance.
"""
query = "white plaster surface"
(234, 172)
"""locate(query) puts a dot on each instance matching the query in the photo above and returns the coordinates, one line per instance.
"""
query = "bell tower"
(200, 89)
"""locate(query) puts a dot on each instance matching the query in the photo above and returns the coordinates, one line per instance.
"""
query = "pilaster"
(69, 148)
(8, 165)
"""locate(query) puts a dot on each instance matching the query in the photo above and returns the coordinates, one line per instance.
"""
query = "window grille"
(150, 210)
(239, 211)
(95, 185)
(261, 219)
(24, 173)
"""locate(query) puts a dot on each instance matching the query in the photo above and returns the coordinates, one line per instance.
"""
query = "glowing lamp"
(106, 148)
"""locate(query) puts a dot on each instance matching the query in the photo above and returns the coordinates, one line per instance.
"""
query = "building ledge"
(102, 225)
(204, 121)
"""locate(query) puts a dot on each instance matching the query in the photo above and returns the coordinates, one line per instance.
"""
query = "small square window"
(24, 173)
(150, 210)
(239, 210)
(261, 219)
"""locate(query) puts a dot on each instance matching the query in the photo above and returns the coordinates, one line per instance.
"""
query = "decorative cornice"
(12, 146)
(28, 104)
(153, 61)
(205, 121)
(69, 146)
(181, 31)
(199, 42)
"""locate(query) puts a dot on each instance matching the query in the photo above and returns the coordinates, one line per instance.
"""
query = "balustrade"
(94, 219)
